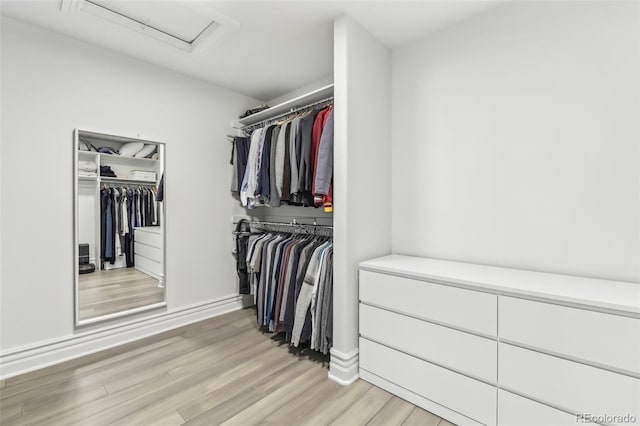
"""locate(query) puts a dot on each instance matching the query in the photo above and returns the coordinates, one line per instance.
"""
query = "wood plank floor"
(219, 371)
(107, 292)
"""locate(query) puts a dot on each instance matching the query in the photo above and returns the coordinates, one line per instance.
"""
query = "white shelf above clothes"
(115, 158)
(107, 179)
(124, 159)
(318, 95)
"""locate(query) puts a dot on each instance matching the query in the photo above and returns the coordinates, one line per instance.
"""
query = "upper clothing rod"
(126, 183)
(287, 113)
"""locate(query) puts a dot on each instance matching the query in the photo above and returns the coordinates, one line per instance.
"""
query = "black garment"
(305, 168)
(304, 196)
(304, 199)
(149, 208)
(262, 283)
(242, 240)
(264, 186)
(112, 206)
(145, 208)
(160, 196)
(103, 222)
(272, 285)
(108, 150)
(129, 238)
(286, 174)
(106, 171)
(254, 110)
(119, 198)
(107, 226)
(295, 153)
(136, 210)
(241, 148)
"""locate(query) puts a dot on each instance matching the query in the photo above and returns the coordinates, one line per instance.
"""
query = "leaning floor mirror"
(119, 240)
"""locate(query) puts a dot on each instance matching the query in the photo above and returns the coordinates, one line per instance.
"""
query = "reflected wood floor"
(218, 371)
(106, 292)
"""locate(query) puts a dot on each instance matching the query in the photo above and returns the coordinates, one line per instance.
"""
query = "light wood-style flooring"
(219, 371)
(107, 292)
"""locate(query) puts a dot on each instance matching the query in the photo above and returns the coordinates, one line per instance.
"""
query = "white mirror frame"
(76, 272)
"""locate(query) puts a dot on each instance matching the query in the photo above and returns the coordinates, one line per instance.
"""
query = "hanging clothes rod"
(126, 184)
(288, 113)
(292, 224)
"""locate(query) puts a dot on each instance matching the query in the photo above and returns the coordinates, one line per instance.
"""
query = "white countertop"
(605, 294)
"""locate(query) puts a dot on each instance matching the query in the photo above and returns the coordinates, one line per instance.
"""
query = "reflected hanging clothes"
(123, 209)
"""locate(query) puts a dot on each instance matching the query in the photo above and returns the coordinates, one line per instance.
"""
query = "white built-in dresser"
(149, 252)
(486, 345)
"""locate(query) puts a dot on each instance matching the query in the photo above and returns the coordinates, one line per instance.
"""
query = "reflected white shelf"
(125, 180)
(88, 154)
(88, 178)
(125, 159)
(107, 137)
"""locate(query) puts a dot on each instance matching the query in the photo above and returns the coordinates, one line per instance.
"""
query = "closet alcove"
(361, 152)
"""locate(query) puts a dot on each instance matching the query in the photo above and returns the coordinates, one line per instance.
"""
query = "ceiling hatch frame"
(218, 29)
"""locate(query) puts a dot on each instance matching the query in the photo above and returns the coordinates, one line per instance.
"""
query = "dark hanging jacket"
(242, 240)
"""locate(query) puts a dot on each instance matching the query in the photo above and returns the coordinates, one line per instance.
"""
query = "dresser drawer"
(150, 238)
(457, 392)
(574, 387)
(606, 339)
(440, 345)
(148, 266)
(514, 410)
(152, 253)
(467, 309)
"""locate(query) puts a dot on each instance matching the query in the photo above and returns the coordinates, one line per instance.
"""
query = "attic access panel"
(175, 23)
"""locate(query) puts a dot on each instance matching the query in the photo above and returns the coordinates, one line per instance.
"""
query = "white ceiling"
(276, 47)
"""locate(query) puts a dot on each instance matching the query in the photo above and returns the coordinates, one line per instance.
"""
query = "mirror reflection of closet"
(119, 226)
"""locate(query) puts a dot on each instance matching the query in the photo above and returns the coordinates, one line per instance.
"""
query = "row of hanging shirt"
(289, 162)
(121, 210)
(292, 278)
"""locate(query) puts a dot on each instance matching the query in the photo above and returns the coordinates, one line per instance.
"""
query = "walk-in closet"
(340, 213)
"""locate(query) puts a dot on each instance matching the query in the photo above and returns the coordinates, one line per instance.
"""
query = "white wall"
(52, 84)
(362, 176)
(516, 140)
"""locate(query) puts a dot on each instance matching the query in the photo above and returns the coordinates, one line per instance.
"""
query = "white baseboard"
(343, 367)
(34, 357)
(422, 402)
